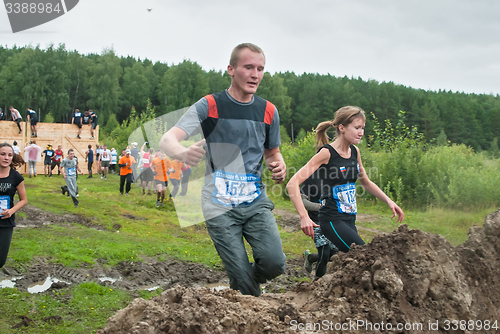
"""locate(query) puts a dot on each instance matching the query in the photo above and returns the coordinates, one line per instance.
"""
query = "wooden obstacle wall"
(54, 134)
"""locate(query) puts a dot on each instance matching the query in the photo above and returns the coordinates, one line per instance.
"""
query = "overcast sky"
(429, 44)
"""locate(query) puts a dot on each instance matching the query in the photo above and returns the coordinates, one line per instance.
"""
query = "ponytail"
(321, 137)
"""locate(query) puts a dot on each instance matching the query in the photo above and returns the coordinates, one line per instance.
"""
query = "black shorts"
(146, 175)
(79, 125)
(163, 183)
(33, 121)
(94, 125)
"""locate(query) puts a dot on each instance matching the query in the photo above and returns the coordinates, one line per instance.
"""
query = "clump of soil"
(407, 277)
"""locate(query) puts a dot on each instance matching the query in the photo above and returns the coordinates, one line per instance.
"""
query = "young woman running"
(339, 164)
(10, 183)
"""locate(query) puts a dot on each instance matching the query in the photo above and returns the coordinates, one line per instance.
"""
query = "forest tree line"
(55, 81)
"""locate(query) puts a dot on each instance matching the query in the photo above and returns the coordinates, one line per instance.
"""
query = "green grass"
(80, 308)
(453, 224)
(119, 228)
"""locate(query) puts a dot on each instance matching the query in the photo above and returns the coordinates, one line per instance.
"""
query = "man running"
(89, 158)
(56, 160)
(49, 154)
(125, 165)
(69, 167)
(105, 158)
(241, 130)
(161, 167)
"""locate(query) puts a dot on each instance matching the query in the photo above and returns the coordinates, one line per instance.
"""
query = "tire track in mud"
(130, 276)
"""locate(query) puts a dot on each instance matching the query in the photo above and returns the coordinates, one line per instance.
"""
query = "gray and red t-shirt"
(236, 134)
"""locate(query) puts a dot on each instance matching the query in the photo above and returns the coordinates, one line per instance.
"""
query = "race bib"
(345, 196)
(232, 189)
(4, 203)
(49, 154)
(72, 171)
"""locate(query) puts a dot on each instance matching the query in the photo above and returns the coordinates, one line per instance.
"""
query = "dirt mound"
(404, 282)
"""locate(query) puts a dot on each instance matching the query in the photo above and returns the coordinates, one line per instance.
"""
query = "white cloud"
(444, 44)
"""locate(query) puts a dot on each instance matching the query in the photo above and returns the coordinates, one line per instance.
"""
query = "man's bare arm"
(170, 143)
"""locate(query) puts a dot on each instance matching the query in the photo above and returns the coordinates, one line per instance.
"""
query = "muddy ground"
(407, 281)
(131, 276)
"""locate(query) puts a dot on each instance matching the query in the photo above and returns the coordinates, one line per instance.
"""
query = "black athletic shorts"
(163, 183)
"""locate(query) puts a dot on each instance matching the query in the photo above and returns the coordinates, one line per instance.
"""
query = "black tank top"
(339, 176)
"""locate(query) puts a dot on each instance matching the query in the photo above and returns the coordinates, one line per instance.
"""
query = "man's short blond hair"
(235, 55)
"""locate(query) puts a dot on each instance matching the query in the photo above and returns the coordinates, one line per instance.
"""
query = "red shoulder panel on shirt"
(268, 118)
(212, 107)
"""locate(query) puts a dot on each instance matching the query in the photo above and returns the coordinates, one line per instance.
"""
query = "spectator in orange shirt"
(161, 166)
(125, 165)
(175, 176)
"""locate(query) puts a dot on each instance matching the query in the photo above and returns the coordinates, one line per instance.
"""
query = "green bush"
(48, 118)
(412, 172)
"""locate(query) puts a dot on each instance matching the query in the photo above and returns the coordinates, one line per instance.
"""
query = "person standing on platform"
(77, 119)
(93, 123)
(33, 119)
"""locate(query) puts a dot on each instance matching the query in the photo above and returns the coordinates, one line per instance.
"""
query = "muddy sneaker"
(158, 204)
(307, 265)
